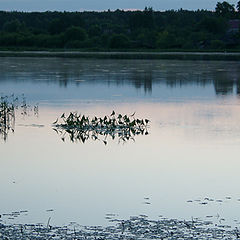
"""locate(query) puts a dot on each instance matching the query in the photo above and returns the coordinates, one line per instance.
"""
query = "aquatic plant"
(8, 107)
(82, 128)
(7, 116)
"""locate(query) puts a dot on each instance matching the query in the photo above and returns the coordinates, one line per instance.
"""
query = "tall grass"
(7, 115)
(8, 107)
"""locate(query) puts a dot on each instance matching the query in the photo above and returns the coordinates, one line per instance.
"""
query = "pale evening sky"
(81, 5)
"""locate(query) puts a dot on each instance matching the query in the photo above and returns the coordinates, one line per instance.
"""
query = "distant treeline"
(122, 30)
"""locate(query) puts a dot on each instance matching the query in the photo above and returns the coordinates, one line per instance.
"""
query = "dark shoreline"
(216, 56)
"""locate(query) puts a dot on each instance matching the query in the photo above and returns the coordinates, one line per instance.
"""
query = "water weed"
(115, 126)
(8, 107)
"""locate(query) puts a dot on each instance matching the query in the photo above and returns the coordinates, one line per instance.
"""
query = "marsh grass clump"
(82, 128)
(8, 107)
(7, 115)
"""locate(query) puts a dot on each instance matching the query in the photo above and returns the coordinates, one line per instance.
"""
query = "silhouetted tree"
(224, 9)
(238, 6)
(13, 26)
(75, 33)
(119, 41)
(94, 31)
(144, 29)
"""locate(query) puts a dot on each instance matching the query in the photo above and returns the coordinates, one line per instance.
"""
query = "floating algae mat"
(82, 128)
(135, 228)
(8, 107)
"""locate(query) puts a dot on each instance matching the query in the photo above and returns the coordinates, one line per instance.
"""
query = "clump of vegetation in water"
(7, 116)
(8, 107)
(82, 128)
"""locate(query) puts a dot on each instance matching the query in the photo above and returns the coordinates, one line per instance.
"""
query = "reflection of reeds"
(82, 128)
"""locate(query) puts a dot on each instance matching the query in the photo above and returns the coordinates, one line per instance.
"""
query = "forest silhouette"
(123, 30)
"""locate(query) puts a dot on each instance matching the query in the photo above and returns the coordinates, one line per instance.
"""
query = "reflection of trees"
(225, 81)
(179, 79)
(139, 74)
(142, 80)
(238, 87)
(223, 86)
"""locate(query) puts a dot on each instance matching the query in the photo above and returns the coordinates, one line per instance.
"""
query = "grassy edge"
(227, 56)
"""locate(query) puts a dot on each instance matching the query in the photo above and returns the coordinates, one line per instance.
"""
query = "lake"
(187, 166)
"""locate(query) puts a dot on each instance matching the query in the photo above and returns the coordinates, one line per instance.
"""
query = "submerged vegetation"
(8, 107)
(82, 128)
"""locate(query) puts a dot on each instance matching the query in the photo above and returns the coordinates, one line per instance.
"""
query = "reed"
(7, 115)
(8, 107)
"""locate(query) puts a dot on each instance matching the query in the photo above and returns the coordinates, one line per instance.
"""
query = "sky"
(97, 5)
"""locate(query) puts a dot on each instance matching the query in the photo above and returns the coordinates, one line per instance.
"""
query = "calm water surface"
(191, 153)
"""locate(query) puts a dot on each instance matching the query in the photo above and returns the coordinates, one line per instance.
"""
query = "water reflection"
(141, 74)
(191, 153)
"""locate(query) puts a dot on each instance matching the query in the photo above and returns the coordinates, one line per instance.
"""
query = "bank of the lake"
(226, 56)
(135, 228)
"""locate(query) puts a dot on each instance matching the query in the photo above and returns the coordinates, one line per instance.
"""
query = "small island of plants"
(82, 128)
